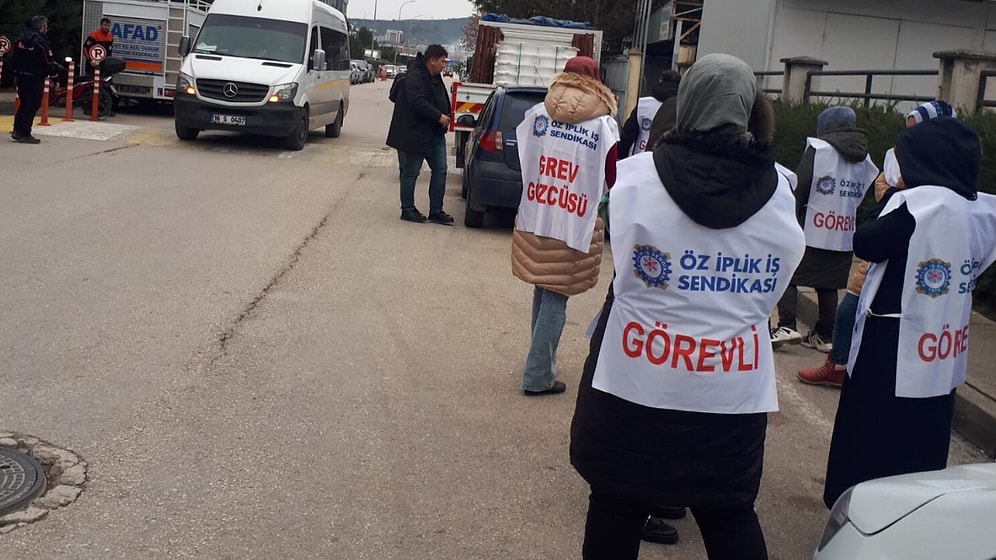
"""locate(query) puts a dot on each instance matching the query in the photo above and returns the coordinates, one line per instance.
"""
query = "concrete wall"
(849, 35)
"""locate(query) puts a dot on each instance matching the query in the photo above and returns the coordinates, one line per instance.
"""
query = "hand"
(444, 120)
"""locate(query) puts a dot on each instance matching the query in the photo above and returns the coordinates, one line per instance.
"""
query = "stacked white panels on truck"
(530, 64)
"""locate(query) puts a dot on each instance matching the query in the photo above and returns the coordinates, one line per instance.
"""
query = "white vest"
(689, 326)
(890, 166)
(941, 271)
(646, 110)
(563, 175)
(837, 189)
(790, 176)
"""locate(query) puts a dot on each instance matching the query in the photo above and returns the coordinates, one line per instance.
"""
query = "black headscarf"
(943, 152)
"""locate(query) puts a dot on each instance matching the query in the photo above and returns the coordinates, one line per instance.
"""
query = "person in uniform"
(673, 401)
(101, 36)
(32, 60)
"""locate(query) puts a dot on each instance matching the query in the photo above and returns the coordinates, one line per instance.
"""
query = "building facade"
(850, 35)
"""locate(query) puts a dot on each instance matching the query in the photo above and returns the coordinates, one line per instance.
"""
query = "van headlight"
(838, 518)
(185, 84)
(283, 93)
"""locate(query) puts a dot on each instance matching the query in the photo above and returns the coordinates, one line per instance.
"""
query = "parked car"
(354, 73)
(492, 177)
(949, 513)
(390, 70)
(448, 72)
(365, 71)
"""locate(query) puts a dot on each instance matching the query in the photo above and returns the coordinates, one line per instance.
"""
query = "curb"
(974, 411)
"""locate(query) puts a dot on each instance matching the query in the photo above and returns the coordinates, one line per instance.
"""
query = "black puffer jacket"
(668, 457)
(417, 109)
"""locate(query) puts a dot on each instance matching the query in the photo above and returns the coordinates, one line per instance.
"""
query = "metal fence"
(867, 95)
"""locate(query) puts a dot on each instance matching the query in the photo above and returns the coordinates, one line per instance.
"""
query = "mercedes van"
(272, 67)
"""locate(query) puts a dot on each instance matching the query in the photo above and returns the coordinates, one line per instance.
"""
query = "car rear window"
(515, 107)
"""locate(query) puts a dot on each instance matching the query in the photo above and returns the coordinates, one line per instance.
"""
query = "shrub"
(794, 122)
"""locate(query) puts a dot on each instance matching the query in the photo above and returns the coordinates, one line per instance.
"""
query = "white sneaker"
(813, 340)
(784, 335)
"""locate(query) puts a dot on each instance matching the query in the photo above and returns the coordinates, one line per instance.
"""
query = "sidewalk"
(975, 401)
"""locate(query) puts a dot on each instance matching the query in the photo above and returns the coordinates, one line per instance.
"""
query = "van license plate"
(233, 120)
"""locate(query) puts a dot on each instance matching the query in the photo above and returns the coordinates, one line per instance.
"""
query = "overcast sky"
(422, 9)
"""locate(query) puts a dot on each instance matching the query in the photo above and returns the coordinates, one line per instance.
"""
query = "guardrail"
(764, 74)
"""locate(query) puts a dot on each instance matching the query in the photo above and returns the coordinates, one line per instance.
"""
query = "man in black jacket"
(32, 60)
(418, 131)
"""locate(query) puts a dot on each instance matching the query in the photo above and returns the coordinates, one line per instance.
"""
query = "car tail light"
(491, 141)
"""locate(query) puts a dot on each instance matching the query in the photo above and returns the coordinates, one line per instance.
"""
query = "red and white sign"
(98, 53)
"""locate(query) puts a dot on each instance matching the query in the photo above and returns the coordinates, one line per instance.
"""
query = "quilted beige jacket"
(543, 261)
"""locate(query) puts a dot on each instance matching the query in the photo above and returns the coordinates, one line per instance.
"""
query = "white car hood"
(236, 69)
(877, 504)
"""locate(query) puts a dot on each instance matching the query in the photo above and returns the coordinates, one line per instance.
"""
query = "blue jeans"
(409, 166)
(843, 328)
(549, 316)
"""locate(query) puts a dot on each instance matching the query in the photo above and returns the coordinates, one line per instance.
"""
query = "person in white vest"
(833, 370)
(635, 134)
(834, 174)
(927, 244)
(567, 152)
(673, 401)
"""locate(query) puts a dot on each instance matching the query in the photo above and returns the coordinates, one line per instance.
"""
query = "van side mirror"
(467, 120)
(319, 60)
(184, 46)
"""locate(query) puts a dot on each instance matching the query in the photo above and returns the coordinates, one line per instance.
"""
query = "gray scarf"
(716, 96)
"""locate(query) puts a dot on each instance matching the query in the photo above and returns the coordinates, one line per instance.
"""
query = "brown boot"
(828, 374)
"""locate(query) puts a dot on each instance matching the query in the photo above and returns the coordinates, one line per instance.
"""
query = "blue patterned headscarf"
(930, 110)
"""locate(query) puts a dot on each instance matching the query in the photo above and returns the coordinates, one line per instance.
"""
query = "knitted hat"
(932, 109)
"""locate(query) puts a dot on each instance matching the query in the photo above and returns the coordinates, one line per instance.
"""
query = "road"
(257, 359)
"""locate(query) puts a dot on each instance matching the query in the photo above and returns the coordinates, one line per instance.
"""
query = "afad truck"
(147, 36)
(515, 53)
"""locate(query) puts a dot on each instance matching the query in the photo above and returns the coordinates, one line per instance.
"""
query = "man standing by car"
(418, 131)
(32, 60)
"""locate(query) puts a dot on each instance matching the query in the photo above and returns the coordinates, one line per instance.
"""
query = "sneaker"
(558, 387)
(656, 531)
(829, 374)
(785, 335)
(813, 340)
(441, 218)
(29, 139)
(412, 215)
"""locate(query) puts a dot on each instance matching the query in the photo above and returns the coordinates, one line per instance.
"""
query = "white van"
(272, 67)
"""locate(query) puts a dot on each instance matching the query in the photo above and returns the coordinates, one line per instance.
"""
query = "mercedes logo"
(230, 90)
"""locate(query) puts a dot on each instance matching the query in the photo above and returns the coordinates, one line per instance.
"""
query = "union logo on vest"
(825, 184)
(540, 125)
(652, 266)
(933, 278)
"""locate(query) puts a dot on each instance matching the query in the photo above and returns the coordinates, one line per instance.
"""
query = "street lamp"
(403, 4)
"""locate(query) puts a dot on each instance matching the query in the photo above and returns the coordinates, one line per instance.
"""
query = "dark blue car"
(491, 174)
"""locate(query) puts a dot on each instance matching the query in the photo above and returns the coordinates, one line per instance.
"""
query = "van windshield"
(248, 37)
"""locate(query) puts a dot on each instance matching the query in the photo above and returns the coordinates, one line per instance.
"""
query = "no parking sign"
(97, 53)
(4, 45)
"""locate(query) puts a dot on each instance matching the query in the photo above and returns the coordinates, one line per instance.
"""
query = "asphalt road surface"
(258, 359)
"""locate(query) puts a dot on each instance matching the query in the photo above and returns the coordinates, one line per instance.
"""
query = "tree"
(468, 35)
(65, 24)
(616, 18)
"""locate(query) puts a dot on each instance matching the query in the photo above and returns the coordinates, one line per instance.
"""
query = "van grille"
(247, 93)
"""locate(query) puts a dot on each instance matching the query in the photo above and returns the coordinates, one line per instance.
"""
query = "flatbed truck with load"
(515, 53)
